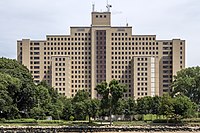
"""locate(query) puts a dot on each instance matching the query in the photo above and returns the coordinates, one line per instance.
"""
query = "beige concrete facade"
(101, 52)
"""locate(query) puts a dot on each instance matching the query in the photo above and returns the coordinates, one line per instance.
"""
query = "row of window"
(80, 67)
(60, 84)
(59, 64)
(100, 16)
(120, 76)
(33, 43)
(121, 67)
(60, 79)
(67, 48)
(121, 62)
(59, 69)
(142, 94)
(80, 62)
(81, 81)
(167, 76)
(136, 53)
(72, 43)
(133, 38)
(67, 53)
(79, 72)
(60, 74)
(60, 89)
(79, 76)
(82, 34)
(69, 38)
(142, 83)
(142, 79)
(121, 57)
(142, 89)
(115, 72)
(83, 86)
(134, 48)
(133, 43)
(142, 74)
(122, 38)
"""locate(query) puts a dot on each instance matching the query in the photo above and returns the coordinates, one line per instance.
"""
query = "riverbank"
(102, 129)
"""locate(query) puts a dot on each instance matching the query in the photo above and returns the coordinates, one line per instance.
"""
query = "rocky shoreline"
(57, 129)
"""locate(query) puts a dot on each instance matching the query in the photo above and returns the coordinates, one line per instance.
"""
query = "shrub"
(71, 118)
(166, 121)
(138, 117)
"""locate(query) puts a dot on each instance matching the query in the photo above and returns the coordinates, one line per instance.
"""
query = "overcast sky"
(35, 19)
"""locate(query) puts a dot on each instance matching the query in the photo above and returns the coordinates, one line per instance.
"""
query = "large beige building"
(101, 52)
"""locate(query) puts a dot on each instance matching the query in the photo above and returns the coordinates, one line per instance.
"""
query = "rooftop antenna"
(93, 7)
(108, 7)
(126, 22)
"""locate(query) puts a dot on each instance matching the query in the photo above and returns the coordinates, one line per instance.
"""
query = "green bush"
(138, 117)
(166, 121)
(192, 120)
(71, 118)
(2, 119)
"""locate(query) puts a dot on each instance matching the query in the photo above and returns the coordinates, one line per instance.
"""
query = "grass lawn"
(130, 123)
(33, 122)
(147, 121)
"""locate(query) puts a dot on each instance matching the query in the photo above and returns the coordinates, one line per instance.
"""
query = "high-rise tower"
(101, 52)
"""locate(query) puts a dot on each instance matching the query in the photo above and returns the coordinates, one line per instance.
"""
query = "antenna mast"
(93, 7)
(108, 7)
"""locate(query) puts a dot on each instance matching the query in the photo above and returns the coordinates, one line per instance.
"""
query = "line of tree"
(21, 98)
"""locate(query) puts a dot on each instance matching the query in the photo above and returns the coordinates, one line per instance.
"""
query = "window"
(36, 48)
(36, 58)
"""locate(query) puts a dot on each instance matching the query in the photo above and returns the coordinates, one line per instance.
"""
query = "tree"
(111, 93)
(43, 97)
(79, 110)
(8, 88)
(183, 107)
(37, 113)
(92, 108)
(187, 82)
(49, 100)
(81, 95)
(24, 97)
(144, 105)
(67, 108)
(119, 108)
(20, 97)
(166, 106)
(156, 101)
(79, 103)
(95, 108)
(130, 107)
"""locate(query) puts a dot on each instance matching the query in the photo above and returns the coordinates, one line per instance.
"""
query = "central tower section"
(101, 19)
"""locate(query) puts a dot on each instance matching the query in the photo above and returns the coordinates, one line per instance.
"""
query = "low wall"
(58, 129)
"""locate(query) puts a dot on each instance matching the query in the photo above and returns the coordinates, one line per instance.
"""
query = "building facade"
(100, 52)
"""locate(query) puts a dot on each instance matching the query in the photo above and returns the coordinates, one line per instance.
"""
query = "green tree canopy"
(183, 107)
(130, 106)
(111, 94)
(144, 105)
(187, 82)
(8, 88)
(24, 97)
